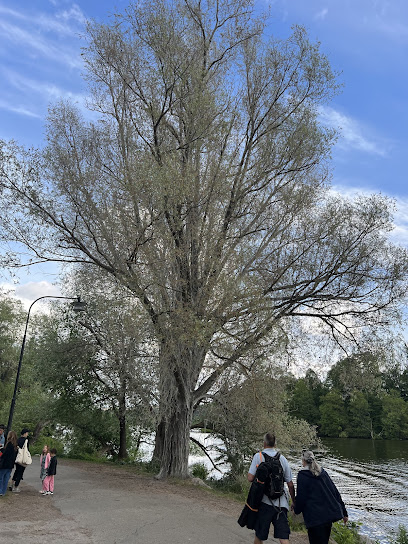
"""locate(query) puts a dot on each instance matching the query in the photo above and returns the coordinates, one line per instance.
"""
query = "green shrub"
(346, 534)
(402, 537)
(36, 449)
(199, 470)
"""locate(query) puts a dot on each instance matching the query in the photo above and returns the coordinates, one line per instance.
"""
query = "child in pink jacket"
(44, 463)
(51, 472)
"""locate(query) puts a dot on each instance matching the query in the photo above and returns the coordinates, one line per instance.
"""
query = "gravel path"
(98, 504)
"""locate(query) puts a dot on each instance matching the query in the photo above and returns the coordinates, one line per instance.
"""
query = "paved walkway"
(95, 504)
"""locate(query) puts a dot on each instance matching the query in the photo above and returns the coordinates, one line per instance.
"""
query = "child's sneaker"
(15, 490)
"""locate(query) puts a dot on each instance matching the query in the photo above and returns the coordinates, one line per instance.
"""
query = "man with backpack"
(271, 469)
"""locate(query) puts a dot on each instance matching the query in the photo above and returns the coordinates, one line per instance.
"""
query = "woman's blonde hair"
(309, 458)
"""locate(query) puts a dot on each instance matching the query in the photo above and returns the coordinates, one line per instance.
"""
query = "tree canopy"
(201, 184)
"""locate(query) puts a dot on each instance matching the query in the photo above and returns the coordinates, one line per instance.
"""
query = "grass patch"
(90, 457)
(234, 487)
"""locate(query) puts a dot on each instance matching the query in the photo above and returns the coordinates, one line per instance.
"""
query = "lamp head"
(78, 305)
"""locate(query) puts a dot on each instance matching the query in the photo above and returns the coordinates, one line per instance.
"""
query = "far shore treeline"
(358, 399)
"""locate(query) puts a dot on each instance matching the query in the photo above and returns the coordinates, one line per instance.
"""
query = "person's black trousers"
(320, 534)
(18, 474)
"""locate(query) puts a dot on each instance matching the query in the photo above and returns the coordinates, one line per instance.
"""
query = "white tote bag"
(24, 456)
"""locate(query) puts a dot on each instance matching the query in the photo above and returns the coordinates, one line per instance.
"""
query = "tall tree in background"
(11, 320)
(126, 363)
(203, 189)
(102, 362)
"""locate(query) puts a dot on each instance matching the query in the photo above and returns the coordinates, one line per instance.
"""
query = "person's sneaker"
(15, 490)
(42, 491)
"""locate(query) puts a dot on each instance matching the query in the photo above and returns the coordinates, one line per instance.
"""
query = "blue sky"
(367, 40)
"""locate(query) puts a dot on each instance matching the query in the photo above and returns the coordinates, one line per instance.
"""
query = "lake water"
(372, 476)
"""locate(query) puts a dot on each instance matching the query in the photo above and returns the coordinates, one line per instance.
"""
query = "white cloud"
(387, 18)
(20, 109)
(28, 292)
(351, 191)
(11, 12)
(40, 35)
(74, 13)
(47, 91)
(60, 22)
(322, 14)
(354, 135)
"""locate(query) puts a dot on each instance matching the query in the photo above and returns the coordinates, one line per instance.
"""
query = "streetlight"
(77, 306)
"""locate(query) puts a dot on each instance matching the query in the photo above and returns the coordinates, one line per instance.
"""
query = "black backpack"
(274, 481)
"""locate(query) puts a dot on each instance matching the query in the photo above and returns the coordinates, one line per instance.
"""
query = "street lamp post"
(77, 306)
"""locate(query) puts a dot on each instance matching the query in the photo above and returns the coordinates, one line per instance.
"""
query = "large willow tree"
(200, 181)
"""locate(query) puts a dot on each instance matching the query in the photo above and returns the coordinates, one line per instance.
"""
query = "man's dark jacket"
(256, 492)
(318, 498)
(52, 467)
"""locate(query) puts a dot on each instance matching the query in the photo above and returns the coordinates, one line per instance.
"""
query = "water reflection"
(371, 475)
(367, 450)
(372, 478)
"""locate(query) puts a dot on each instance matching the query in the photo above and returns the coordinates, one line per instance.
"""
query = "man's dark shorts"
(269, 514)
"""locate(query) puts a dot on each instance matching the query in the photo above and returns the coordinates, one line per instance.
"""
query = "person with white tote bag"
(22, 460)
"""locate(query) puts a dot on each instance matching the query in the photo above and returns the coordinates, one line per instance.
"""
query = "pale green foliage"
(241, 414)
(202, 189)
(11, 320)
(99, 367)
(359, 372)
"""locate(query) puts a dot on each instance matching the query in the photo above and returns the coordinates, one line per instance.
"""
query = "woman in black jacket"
(7, 461)
(318, 499)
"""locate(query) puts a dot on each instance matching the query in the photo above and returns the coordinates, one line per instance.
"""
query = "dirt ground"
(94, 504)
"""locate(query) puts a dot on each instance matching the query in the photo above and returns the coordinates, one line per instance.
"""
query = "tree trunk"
(37, 431)
(122, 421)
(122, 438)
(178, 375)
(173, 442)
